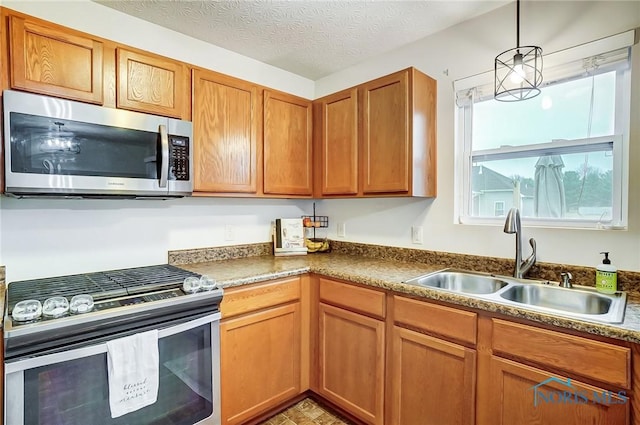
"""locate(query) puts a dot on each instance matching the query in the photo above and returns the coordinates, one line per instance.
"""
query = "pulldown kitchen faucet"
(512, 225)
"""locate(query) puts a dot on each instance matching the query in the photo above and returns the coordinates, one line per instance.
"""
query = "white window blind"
(561, 159)
(594, 57)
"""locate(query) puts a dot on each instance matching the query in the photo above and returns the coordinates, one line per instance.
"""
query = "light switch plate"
(416, 234)
(342, 229)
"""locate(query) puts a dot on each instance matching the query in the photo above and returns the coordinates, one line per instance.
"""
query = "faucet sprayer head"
(512, 223)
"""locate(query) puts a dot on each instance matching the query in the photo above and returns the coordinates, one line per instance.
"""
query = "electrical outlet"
(229, 233)
(342, 231)
(416, 234)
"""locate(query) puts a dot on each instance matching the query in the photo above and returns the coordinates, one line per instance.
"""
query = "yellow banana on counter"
(313, 246)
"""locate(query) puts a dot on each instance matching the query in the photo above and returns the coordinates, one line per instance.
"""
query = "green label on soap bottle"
(606, 282)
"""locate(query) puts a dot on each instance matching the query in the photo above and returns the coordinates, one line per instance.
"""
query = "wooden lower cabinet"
(387, 359)
(351, 362)
(260, 361)
(432, 380)
(516, 396)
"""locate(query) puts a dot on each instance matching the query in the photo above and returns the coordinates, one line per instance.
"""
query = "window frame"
(463, 198)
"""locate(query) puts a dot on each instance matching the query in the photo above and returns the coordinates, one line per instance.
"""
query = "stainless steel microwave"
(56, 147)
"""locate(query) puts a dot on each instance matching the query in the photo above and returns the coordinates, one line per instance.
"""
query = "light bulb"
(517, 75)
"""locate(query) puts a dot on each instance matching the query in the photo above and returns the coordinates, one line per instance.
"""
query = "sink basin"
(569, 300)
(580, 302)
(458, 281)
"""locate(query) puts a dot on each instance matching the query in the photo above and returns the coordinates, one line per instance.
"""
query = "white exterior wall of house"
(484, 203)
(41, 238)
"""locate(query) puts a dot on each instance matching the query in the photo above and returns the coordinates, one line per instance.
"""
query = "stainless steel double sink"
(580, 302)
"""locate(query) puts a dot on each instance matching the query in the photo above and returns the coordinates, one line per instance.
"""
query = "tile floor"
(307, 412)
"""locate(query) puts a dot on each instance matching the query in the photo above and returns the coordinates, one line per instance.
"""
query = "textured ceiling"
(310, 38)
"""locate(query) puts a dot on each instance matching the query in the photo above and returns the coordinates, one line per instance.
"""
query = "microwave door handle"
(164, 164)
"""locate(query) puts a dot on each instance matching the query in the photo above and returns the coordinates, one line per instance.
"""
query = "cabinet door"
(351, 361)
(226, 131)
(259, 362)
(152, 84)
(385, 134)
(432, 381)
(339, 143)
(287, 145)
(524, 395)
(54, 61)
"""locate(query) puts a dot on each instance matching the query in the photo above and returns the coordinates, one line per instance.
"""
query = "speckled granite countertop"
(389, 274)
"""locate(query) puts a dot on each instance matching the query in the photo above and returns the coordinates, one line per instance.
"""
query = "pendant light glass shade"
(518, 74)
(518, 71)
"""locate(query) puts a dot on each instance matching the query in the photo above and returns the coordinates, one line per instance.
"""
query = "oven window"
(76, 392)
(41, 145)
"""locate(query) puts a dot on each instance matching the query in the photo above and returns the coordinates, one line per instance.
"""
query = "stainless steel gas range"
(56, 346)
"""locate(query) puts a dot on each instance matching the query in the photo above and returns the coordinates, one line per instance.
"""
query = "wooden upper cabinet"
(55, 61)
(336, 128)
(385, 148)
(377, 139)
(287, 145)
(398, 114)
(152, 84)
(226, 128)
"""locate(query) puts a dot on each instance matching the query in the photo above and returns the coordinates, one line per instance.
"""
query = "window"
(559, 157)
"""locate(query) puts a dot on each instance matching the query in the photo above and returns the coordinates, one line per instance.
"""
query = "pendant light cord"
(517, 23)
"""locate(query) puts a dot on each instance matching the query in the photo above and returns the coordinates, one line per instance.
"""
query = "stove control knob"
(27, 310)
(207, 283)
(81, 304)
(55, 307)
(191, 285)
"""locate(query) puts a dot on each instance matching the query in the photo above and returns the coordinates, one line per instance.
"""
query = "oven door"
(71, 387)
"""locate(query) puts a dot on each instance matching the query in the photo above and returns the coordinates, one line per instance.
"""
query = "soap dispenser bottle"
(606, 276)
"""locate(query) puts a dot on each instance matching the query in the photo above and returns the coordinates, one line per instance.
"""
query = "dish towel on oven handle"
(133, 371)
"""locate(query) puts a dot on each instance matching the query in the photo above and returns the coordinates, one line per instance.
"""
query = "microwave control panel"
(179, 157)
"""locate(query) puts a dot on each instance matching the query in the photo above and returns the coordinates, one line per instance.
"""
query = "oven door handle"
(92, 350)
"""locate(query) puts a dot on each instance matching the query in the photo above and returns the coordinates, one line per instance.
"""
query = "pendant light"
(518, 72)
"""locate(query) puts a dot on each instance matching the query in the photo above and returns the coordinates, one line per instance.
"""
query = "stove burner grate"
(100, 285)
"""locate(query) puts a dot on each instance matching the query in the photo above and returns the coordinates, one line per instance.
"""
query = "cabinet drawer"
(449, 322)
(593, 359)
(352, 297)
(242, 300)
